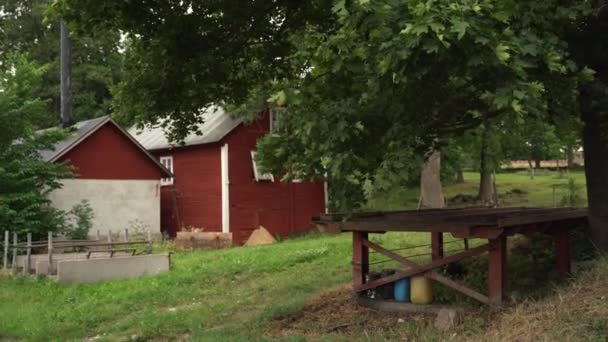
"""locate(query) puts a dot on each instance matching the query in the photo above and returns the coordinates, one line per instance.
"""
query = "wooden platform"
(492, 224)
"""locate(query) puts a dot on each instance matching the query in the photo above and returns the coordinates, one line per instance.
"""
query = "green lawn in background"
(539, 190)
(218, 295)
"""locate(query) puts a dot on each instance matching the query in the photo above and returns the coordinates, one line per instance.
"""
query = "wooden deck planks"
(457, 221)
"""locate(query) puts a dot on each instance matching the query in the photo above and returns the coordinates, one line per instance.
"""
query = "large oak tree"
(367, 82)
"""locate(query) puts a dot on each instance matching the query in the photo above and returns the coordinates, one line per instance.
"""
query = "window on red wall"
(167, 162)
(256, 171)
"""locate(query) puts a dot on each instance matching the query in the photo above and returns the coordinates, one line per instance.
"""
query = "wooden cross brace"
(412, 269)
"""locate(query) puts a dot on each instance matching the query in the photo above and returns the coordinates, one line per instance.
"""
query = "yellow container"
(421, 290)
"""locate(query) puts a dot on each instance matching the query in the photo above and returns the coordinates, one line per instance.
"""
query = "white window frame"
(256, 173)
(275, 115)
(167, 162)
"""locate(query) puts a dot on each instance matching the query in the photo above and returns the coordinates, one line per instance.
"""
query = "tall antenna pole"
(66, 77)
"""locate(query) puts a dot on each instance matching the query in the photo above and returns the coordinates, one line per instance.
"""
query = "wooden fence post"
(126, 234)
(28, 259)
(5, 260)
(110, 242)
(15, 241)
(149, 242)
(50, 248)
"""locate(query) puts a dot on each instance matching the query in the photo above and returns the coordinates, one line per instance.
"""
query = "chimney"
(66, 77)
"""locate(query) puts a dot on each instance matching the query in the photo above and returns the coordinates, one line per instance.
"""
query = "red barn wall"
(281, 208)
(109, 154)
(310, 201)
(195, 198)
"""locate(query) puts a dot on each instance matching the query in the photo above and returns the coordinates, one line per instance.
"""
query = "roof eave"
(143, 149)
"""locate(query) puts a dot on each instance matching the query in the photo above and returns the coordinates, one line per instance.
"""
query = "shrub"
(79, 222)
(573, 198)
(138, 230)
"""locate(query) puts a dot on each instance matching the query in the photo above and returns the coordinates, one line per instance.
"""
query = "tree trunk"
(431, 193)
(570, 156)
(431, 196)
(66, 77)
(559, 168)
(459, 176)
(531, 168)
(537, 164)
(595, 144)
(486, 186)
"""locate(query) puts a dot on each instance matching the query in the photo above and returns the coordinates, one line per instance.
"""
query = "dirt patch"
(336, 312)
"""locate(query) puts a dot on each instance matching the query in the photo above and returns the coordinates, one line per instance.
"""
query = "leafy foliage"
(25, 28)
(573, 198)
(402, 75)
(181, 57)
(26, 180)
(369, 84)
(79, 221)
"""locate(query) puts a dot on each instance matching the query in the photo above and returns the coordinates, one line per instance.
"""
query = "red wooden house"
(113, 172)
(216, 184)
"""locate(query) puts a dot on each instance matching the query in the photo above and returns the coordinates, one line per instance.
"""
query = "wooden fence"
(12, 249)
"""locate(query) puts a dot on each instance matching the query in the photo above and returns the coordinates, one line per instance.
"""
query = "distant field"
(233, 294)
(539, 191)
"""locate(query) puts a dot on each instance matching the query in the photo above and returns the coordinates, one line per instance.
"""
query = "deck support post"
(360, 258)
(497, 269)
(436, 246)
(561, 241)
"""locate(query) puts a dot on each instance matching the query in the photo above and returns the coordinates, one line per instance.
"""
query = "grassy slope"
(226, 294)
(574, 313)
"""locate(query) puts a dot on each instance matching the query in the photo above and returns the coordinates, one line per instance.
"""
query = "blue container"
(402, 290)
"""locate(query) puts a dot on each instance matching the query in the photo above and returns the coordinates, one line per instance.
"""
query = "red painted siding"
(195, 198)
(109, 154)
(281, 208)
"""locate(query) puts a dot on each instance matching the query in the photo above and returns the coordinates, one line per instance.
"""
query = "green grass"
(206, 293)
(539, 190)
(216, 295)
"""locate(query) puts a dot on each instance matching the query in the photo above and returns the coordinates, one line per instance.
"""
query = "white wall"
(115, 203)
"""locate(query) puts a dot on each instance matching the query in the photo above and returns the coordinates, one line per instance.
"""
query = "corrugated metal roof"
(81, 130)
(217, 123)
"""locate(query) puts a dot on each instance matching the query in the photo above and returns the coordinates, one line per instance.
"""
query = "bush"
(573, 198)
(79, 221)
(138, 230)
